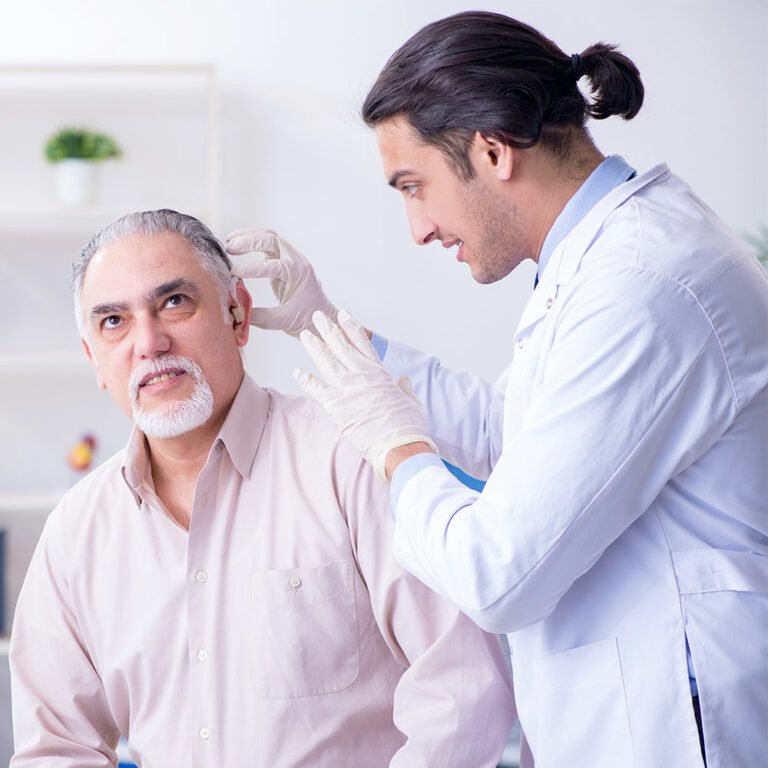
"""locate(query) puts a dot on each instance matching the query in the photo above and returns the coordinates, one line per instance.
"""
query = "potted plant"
(76, 153)
(759, 241)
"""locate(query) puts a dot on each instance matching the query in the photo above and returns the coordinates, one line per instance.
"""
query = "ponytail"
(615, 80)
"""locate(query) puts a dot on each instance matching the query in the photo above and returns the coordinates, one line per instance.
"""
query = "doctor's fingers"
(269, 268)
(326, 362)
(274, 319)
(357, 335)
(339, 344)
(253, 240)
(312, 385)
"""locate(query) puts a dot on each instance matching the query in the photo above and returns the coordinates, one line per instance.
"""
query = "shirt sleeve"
(464, 412)
(621, 402)
(454, 701)
(61, 718)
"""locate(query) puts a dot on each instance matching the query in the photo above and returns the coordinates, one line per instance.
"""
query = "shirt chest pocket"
(304, 630)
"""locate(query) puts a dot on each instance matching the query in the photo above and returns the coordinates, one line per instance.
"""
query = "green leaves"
(82, 144)
(759, 241)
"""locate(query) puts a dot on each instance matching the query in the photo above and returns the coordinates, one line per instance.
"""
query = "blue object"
(470, 482)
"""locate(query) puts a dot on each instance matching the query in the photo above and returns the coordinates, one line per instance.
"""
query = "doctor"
(621, 539)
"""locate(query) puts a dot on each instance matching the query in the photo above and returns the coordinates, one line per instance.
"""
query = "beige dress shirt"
(277, 632)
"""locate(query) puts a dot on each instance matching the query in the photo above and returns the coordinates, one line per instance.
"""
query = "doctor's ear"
(491, 156)
(99, 380)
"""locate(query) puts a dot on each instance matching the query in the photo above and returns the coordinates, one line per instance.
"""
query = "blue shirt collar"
(614, 170)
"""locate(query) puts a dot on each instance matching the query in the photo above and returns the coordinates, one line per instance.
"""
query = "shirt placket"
(203, 584)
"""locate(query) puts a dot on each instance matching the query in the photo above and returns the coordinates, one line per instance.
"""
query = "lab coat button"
(201, 576)
(202, 654)
(295, 581)
(204, 733)
(520, 343)
(549, 303)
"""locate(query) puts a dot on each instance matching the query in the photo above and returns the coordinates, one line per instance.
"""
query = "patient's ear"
(99, 380)
(240, 310)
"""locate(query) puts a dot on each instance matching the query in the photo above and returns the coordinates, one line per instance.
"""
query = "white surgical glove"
(372, 410)
(294, 282)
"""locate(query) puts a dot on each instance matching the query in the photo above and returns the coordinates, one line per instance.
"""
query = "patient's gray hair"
(213, 257)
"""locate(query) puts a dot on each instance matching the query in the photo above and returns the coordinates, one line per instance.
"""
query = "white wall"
(297, 158)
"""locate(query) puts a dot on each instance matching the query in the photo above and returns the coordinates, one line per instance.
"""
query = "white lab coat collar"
(566, 258)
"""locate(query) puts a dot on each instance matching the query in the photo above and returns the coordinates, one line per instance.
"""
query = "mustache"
(158, 365)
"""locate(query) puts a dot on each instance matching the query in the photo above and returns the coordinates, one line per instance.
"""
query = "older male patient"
(222, 592)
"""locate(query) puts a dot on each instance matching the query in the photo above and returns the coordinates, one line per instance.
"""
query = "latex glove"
(294, 282)
(372, 410)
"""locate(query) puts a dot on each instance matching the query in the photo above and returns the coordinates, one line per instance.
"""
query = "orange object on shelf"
(81, 455)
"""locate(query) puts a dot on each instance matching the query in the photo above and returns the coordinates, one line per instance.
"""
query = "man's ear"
(99, 380)
(492, 157)
(240, 304)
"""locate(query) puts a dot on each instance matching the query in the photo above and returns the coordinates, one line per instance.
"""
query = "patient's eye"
(177, 300)
(110, 322)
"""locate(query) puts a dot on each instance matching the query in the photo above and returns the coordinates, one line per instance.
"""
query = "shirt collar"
(240, 434)
(242, 429)
(614, 170)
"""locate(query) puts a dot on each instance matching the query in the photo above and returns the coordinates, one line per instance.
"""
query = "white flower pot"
(77, 182)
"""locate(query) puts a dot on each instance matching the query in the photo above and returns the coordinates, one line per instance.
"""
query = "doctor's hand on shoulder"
(381, 417)
(294, 283)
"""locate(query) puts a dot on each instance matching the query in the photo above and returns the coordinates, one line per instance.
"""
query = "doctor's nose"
(149, 338)
(423, 230)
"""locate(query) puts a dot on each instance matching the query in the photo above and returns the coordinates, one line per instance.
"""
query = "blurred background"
(247, 113)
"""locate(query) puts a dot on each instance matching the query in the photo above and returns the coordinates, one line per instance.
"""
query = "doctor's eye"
(410, 190)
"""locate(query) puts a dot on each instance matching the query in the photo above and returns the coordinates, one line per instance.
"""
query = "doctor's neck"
(547, 180)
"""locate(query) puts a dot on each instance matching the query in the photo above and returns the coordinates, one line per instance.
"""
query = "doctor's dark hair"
(486, 72)
(212, 254)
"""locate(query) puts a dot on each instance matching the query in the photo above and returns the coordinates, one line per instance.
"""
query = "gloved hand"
(294, 282)
(375, 412)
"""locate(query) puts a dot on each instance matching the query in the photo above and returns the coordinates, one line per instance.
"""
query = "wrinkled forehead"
(135, 266)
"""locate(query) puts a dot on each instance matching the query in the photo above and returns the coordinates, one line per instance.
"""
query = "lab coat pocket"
(304, 631)
(581, 709)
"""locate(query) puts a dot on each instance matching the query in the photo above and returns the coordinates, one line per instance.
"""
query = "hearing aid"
(237, 311)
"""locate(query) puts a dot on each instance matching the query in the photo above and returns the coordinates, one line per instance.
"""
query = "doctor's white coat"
(626, 508)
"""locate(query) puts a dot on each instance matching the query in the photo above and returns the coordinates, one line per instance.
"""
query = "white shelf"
(111, 78)
(57, 221)
(29, 501)
(76, 221)
(64, 362)
(164, 116)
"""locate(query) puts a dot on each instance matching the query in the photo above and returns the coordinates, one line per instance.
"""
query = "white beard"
(178, 416)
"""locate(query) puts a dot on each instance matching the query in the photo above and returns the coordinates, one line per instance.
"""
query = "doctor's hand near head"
(623, 530)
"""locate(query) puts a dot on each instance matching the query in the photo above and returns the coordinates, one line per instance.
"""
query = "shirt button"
(202, 654)
(295, 581)
(201, 575)
(550, 303)
(204, 733)
(204, 500)
(520, 343)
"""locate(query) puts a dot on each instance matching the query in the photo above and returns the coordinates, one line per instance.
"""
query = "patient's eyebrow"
(171, 286)
(109, 308)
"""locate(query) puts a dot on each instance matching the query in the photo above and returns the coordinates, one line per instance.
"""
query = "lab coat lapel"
(566, 258)
(579, 241)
